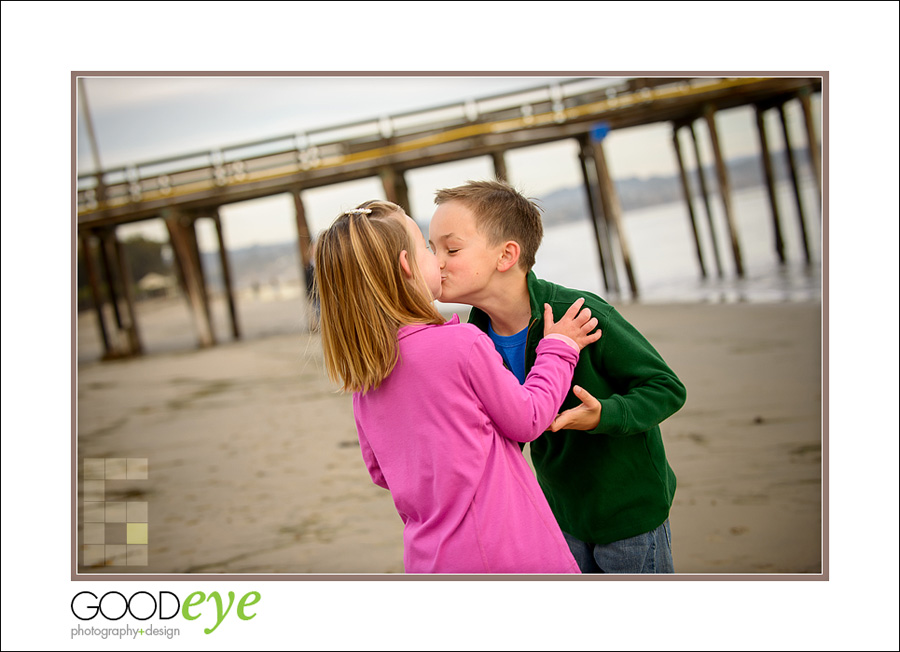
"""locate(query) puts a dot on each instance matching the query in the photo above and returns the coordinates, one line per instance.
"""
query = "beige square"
(137, 512)
(116, 469)
(137, 533)
(93, 513)
(137, 468)
(138, 555)
(116, 512)
(93, 555)
(115, 555)
(94, 468)
(94, 490)
(94, 533)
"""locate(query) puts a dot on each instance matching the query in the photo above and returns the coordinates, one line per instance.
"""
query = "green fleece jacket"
(612, 482)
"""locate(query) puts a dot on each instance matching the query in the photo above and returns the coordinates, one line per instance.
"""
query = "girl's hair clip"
(358, 211)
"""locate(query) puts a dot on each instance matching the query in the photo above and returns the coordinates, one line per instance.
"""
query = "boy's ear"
(404, 264)
(509, 255)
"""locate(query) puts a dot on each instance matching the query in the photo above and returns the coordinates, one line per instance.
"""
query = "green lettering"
(189, 602)
(219, 615)
(243, 603)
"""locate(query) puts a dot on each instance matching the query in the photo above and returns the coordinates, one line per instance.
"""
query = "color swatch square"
(137, 555)
(114, 533)
(116, 513)
(137, 468)
(137, 512)
(137, 533)
(116, 469)
(94, 468)
(94, 533)
(115, 555)
(94, 555)
(93, 513)
(94, 490)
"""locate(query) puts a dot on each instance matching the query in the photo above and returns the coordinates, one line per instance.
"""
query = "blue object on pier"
(599, 131)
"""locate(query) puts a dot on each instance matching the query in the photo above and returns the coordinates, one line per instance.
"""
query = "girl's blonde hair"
(364, 295)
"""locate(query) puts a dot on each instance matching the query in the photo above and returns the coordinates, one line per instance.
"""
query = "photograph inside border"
(211, 439)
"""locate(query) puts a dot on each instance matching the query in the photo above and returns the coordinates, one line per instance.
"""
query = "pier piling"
(226, 273)
(704, 192)
(612, 210)
(724, 189)
(96, 296)
(686, 190)
(598, 218)
(179, 227)
(792, 167)
(766, 157)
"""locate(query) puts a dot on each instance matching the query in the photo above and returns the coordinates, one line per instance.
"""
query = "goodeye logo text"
(143, 606)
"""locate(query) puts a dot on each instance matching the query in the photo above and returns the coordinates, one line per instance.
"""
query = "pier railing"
(328, 147)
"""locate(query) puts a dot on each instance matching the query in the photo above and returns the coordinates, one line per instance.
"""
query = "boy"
(602, 465)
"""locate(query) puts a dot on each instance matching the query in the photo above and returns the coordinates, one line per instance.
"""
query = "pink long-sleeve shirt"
(442, 432)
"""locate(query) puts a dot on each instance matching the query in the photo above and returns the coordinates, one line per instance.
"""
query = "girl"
(438, 416)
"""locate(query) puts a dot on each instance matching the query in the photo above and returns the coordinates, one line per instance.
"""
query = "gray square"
(115, 533)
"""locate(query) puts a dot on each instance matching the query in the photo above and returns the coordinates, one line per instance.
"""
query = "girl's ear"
(509, 255)
(404, 264)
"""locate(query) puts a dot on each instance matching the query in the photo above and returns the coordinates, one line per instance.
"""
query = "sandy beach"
(254, 466)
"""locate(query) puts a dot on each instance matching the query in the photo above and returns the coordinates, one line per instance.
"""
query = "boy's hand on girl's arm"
(576, 324)
(584, 417)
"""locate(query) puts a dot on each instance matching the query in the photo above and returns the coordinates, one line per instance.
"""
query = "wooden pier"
(190, 187)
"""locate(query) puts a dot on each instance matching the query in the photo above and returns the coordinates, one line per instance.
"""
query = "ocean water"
(664, 260)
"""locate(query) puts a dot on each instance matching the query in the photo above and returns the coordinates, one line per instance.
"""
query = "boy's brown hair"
(501, 213)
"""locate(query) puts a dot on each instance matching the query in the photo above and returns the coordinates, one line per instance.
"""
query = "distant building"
(156, 285)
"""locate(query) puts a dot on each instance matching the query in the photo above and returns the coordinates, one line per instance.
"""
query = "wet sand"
(254, 465)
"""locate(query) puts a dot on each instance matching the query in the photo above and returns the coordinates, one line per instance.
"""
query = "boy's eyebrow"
(447, 236)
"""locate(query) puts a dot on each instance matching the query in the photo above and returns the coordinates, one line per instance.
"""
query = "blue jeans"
(650, 552)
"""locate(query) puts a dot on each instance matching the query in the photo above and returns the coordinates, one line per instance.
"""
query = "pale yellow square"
(94, 490)
(137, 468)
(116, 513)
(94, 513)
(137, 512)
(94, 468)
(116, 469)
(136, 533)
(115, 555)
(138, 556)
(94, 533)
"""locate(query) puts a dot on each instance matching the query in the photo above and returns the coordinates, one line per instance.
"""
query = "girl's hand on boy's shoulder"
(577, 324)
